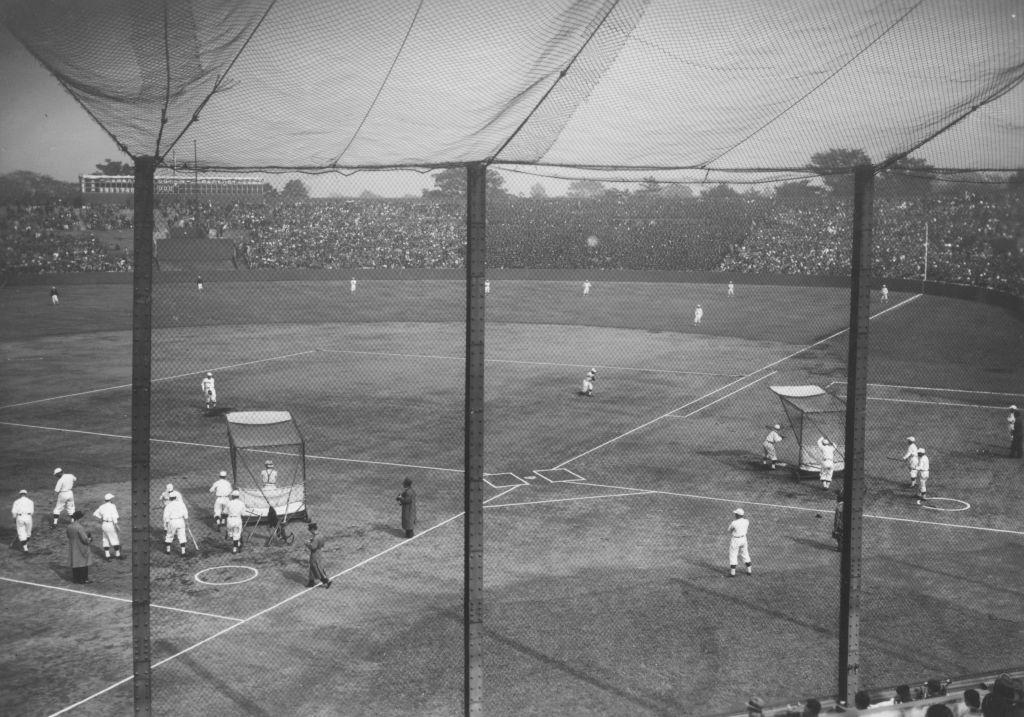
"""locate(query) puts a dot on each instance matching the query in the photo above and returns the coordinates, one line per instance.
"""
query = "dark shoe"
(327, 584)
(310, 585)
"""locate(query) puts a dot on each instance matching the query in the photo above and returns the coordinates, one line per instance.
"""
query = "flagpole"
(926, 250)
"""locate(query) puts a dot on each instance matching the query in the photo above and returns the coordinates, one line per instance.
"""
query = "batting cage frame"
(264, 434)
(812, 413)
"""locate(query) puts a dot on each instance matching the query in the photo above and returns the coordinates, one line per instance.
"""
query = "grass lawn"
(605, 543)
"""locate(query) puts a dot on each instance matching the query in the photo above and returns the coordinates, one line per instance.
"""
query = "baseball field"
(605, 519)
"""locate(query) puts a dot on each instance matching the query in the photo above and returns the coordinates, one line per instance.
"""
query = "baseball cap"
(22, 492)
(911, 439)
(223, 474)
(235, 493)
(776, 426)
(1013, 408)
(208, 375)
(108, 496)
(58, 471)
(170, 487)
(756, 703)
(738, 511)
(920, 451)
(269, 463)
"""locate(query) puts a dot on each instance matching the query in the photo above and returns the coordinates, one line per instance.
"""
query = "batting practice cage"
(339, 189)
(813, 413)
(268, 463)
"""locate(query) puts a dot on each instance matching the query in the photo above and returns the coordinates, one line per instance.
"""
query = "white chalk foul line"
(222, 447)
(156, 380)
(531, 363)
(734, 501)
(118, 599)
(722, 388)
(264, 611)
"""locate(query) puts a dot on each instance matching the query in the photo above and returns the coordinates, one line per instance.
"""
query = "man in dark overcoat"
(79, 549)
(407, 499)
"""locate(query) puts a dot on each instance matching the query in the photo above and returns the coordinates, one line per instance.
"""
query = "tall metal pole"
(473, 597)
(856, 399)
(142, 354)
(926, 250)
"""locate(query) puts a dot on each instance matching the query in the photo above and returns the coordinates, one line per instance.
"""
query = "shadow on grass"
(218, 683)
(217, 411)
(388, 529)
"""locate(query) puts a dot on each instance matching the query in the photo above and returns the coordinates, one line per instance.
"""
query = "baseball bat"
(191, 536)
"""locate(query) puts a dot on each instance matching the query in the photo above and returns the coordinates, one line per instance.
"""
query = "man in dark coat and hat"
(79, 549)
(407, 499)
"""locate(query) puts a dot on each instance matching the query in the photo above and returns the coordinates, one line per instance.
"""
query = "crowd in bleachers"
(972, 239)
(60, 239)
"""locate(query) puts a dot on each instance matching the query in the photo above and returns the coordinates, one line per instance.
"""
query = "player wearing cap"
(771, 457)
(923, 466)
(352, 285)
(586, 287)
(209, 391)
(169, 493)
(22, 510)
(730, 289)
(828, 461)
(268, 475)
(221, 490)
(885, 294)
(588, 382)
(107, 515)
(738, 542)
(698, 314)
(65, 494)
(236, 509)
(911, 458)
(175, 515)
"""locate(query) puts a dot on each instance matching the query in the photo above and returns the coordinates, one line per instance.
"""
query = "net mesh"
(268, 459)
(317, 85)
(813, 414)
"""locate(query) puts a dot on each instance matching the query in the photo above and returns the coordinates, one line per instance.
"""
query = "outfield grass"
(603, 596)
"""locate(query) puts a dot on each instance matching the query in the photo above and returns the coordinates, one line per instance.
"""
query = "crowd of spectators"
(61, 239)
(952, 237)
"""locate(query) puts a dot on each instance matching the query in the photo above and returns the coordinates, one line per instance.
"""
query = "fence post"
(856, 395)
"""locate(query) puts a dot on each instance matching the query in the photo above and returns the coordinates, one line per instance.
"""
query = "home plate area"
(551, 475)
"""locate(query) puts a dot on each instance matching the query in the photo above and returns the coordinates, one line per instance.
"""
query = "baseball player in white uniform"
(209, 390)
(771, 456)
(22, 510)
(828, 461)
(175, 515)
(169, 492)
(107, 515)
(236, 509)
(587, 389)
(487, 286)
(1011, 419)
(923, 468)
(586, 287)
(738, 542)
(731, 290)
(65, 494)
(698, 314)
(885, 294)
(269, 474)
(221, 490)
(911, 458)
(352, 285)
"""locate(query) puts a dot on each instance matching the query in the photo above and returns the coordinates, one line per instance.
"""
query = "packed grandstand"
(962, 237)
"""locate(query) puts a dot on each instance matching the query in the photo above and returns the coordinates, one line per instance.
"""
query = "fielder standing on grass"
(65, 494)
(22, 510)
(771, 456)
(587, 389)
(209, 388)
(407, 499)
(738, 542)
(923, 467)
(107, 515)
(315, 546)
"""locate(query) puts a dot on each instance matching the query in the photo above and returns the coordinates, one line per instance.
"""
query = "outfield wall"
(1014, 304)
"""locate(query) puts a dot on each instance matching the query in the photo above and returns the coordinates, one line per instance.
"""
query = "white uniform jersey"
(106, 513)
(175, 510)
(738, 528)
(828, 451)
(221, 488)
(268, 476)
(166, 496)
(923, 464)
(22, 506)
(208, 385)
(236, 508)
(911, 456)
(65, 482)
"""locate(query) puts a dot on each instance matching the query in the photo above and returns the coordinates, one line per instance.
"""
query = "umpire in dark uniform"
(79, 549)
(407, 499)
